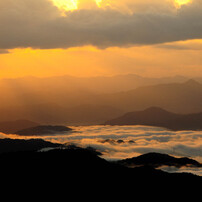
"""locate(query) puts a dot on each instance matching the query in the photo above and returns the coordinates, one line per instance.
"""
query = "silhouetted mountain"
(155, 116)
(15, 145)
(84, 165)
(113, 141)
(157, 160)
(149, 116)
(43, 130)
(13, 126)
(192, 82)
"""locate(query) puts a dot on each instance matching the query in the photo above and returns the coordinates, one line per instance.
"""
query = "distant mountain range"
(155, 116)
(70, 91)
(99, 84)
(176, 97)
(51, 113)
(83, 101)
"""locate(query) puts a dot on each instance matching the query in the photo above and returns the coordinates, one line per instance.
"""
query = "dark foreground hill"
(82, 164)
(155, 116)
(156, 160)
(83, 172)
(15, 145)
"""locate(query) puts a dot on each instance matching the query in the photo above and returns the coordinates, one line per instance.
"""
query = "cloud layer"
(118, 142)
(39, 24)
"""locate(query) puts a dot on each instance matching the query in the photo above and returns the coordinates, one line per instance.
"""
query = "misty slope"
(52, 113)
(99, 84)
(69, 91)
(13, 126)
(30, 91)
(155, 116)
(176, 97)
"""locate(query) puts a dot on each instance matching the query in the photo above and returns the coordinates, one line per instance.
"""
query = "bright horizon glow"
(183, 56)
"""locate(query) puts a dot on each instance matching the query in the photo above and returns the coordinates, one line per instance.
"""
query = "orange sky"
(180, 57)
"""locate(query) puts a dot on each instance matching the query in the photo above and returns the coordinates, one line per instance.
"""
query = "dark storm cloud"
(38, 24)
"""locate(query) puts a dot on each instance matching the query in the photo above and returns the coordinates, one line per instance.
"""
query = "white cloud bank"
(118, 142)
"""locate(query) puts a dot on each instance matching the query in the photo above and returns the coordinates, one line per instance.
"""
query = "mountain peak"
(192, 82)
(154, 109)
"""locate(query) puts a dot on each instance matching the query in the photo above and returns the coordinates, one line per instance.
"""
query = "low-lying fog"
(119, 142)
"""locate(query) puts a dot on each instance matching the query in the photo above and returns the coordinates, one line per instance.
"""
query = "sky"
(155, 38)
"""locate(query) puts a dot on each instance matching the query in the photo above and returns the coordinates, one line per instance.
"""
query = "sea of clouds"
(120, 142)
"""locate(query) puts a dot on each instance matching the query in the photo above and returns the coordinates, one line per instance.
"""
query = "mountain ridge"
(155, 116)
(61, 101)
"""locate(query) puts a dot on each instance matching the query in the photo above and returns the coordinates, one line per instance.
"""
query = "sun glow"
(71, 5)
(182, 2)
(98, 2)
(66, 4)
